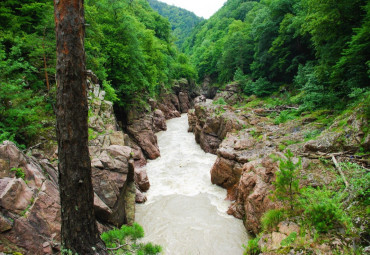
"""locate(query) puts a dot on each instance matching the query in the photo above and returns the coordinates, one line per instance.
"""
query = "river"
(185, 213)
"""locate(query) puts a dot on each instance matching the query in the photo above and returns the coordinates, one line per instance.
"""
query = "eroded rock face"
(345, 134)
(253, 192)
(30, 207)
(210, 124)
(141, 129)
(184, 102)
(231, 94)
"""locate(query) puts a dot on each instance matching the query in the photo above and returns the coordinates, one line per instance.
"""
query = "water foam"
(182, 199)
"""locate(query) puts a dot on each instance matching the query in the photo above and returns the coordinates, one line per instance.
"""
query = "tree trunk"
(79, 229)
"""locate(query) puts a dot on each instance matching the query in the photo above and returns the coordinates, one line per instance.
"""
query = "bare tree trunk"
(79, 229)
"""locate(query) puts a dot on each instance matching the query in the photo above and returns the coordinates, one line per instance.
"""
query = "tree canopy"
(128, 45)
(319, 48)
(182, 21)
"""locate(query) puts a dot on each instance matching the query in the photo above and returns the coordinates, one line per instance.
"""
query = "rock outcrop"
(231, 94)
(245, 142)
(210, 124)
(29, 194)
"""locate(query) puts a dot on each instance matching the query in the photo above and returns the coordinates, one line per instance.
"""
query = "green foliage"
(359, 180)
(125, 239)
(129, 44)
(220, 101)
(110, 92)
(311, 134)
(19, 172)
(322, 209)
(318, 47)
(182, 21)
(287, 182)
(284, 116)
(252, 247)
(272, 218)
(289, 240)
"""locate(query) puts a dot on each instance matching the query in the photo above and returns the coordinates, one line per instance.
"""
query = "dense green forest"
(319, 49)
(182, 21)
(128, 45)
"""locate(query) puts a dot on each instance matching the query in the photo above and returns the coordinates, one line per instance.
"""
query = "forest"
(317, 49)
(182, 21)
(128, 45)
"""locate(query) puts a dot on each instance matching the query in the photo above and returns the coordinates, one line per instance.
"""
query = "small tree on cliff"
(287, 181)
(79, 230)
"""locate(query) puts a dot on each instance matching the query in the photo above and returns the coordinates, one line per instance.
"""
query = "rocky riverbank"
(248, 139)
(29, 194)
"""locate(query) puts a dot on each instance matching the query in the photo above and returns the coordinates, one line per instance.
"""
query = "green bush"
(271, 218)
(125, 239)
(252, 247)
(322, 209)
(284, 116)
(220, 101)
(19, 172)
(289, 240)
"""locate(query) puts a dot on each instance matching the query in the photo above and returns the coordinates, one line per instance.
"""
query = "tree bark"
(79, 230)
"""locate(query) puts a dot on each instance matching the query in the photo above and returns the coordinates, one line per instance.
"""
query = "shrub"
(252, 247)
(19, 172)
(289, 240)
(272, 218)
(220, 101)
(322, 209)
(284, 116)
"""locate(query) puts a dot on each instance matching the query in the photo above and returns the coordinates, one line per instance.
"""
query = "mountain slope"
(182, 21)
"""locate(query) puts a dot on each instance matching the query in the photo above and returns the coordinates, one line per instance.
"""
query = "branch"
(32, 147)
(340, 171)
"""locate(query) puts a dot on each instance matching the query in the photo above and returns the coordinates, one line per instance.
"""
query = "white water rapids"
(185, 213)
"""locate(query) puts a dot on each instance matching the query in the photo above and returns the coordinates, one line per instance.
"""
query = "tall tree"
(79, 229)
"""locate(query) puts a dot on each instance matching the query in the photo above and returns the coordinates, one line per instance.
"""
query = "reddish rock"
(45, 212)
(142, 131)
(192, 121)
(5, 223)
(253, 193)
(10, 157)
(211, 124)
(140, 197)
(119, 150)
(184, 102)
(141, 179)
(15, 195)
(169, 105)
(222, 173)
(107, 185)
(159, 121)
(102, 211)
(40, 225)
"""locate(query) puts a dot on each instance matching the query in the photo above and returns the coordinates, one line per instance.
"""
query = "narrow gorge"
(185, 213)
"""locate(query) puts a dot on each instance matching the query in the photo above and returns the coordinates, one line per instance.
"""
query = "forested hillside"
(128, 45)
(318, 49)
(182, 21)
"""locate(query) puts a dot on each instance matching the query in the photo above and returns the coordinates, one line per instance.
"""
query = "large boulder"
(170, 106)
(184, 102)
(231, 94)
(159, 121)
(253, 191)
(141, 129)
(211, 123)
